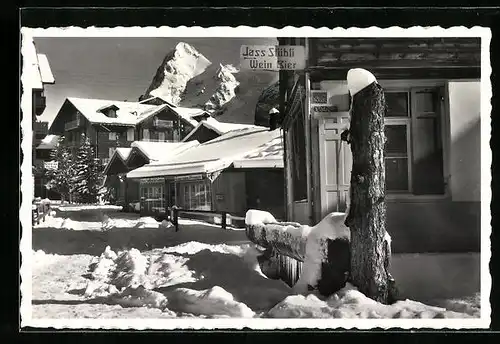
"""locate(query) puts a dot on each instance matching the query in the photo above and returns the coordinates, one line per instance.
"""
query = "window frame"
(407, 86)
(130, 134)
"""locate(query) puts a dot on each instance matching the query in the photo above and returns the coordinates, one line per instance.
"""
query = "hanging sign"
(189, 177)
(151, 180)
(273, 57)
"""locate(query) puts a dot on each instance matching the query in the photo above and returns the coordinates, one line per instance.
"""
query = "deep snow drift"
(201, 271)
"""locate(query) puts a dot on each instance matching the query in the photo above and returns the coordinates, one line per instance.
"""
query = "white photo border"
(232, 323)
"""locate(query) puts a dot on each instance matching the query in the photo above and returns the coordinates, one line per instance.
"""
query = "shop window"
(154, 198)
(196, 196)
(413, 152)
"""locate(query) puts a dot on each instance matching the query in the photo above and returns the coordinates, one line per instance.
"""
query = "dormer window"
(109, 111)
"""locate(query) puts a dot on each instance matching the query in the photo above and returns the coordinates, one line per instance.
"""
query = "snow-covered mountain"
(187, 78)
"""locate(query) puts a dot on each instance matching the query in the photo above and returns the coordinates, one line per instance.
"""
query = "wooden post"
(224, 216)
(176, 218)
(367, 211)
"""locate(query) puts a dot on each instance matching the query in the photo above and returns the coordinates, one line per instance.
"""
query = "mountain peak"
(180, 65)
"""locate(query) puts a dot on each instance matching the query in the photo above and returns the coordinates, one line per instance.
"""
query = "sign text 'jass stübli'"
(272, 57)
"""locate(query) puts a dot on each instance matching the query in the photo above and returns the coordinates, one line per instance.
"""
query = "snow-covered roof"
(128, 113)
(49, 142)
(214, 155)
(36, 68)
(187, 113)
(45, 71)
(269, 155)
(156, 151)
(219, 127)
(123, 152)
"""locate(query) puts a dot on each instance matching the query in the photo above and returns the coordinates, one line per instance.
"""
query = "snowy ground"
(202, 271)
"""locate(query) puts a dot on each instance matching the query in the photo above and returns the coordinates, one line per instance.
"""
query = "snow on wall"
(465, 132)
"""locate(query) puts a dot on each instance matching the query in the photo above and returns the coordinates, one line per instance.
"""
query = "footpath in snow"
(201, 271)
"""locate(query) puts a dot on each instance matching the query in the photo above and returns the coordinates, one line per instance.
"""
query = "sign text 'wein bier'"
(272, 57)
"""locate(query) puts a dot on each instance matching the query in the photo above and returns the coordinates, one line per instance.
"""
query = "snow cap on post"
(359, 78)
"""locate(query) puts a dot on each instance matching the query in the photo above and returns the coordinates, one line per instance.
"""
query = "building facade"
(432, 124)
(239, 170)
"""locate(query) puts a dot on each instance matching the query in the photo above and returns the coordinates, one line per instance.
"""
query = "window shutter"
(427, 154)
(145, 134)
(130, 134)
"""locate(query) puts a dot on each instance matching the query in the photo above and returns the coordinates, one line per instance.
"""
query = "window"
(112, 136)
(154, 197)
(413, 152)
(130, 134)
(196, 195)
(145, 134)
(161, 136)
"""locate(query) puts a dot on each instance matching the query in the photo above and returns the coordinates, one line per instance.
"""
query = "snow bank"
(132, 269)
(350, 303)
(215, 301)
(294, 237)
(194, 247)
(40, 258)
(141, 297)
(258, 217)
(331, 227)
(76, 208)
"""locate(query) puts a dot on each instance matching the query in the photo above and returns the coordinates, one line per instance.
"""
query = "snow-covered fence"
(221, 218)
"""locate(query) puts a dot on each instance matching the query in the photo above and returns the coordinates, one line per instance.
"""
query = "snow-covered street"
(151, 271)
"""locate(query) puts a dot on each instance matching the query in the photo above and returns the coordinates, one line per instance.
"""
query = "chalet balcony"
(72, 125)
(161, 123)
(40, 104)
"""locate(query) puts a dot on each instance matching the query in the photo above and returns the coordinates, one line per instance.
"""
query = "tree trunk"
(367, 211)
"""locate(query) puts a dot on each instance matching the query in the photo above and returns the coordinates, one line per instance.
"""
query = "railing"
(175, 212)
(72, 125)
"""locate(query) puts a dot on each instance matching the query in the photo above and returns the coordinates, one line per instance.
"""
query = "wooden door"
(335, 163)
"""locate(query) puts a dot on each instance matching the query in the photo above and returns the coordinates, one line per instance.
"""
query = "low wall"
(446, 227)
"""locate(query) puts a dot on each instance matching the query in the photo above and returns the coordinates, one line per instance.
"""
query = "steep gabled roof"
(49, 142)
(127, 113)
(157, 151)
(219, 128)
(121, 154)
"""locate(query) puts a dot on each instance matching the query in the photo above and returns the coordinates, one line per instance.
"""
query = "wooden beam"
(323, 73)
(426, 62)
(467, 41)
(397, 49)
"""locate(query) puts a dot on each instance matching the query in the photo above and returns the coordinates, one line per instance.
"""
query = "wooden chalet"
(112, 124)
(432, 88)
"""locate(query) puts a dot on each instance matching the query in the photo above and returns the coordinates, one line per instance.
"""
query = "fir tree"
(61, 178)
(88, 173)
